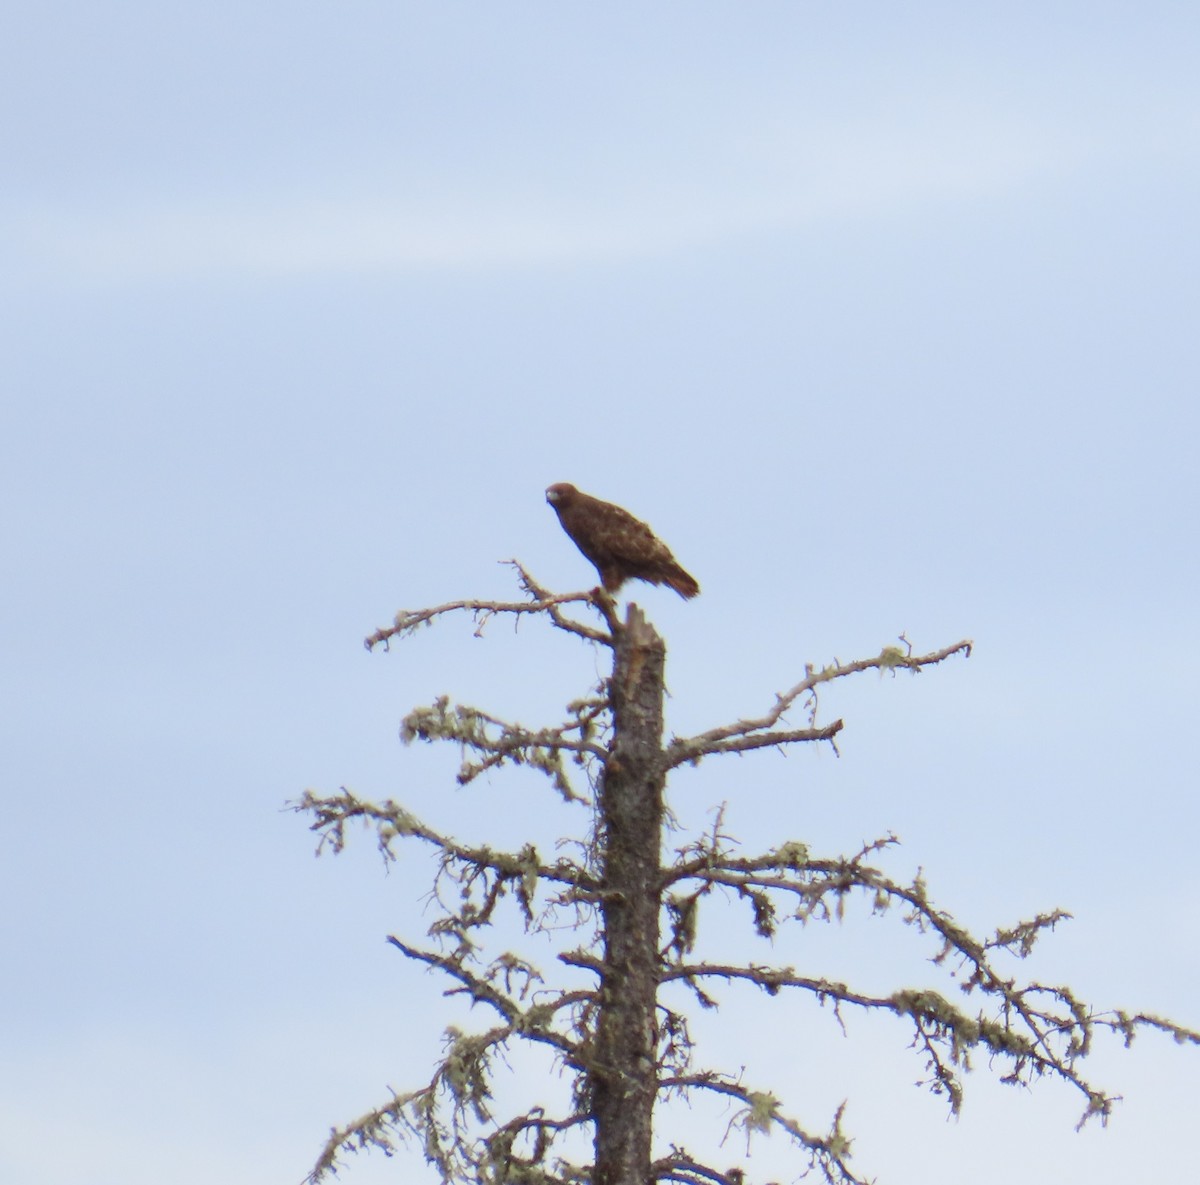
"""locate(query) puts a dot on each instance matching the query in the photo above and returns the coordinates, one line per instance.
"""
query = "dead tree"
(626, 1053)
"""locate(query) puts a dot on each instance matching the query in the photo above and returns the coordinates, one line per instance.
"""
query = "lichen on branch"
(626, 921)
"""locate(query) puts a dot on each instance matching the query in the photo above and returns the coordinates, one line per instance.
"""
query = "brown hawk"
(620, 546)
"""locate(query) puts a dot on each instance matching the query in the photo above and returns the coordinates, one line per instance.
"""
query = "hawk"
(620, 546)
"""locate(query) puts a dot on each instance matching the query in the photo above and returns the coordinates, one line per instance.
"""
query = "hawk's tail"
(682, 583)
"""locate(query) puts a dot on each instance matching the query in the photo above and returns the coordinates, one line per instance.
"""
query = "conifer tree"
(614, 1024)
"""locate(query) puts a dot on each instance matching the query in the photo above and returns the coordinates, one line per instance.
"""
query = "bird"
(620, 546)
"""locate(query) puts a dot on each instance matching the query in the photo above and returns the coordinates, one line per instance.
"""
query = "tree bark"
(623, 1075)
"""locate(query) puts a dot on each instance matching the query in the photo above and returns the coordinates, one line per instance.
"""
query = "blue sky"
(883, 316)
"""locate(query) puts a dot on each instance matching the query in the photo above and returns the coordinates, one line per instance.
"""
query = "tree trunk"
(631, 816)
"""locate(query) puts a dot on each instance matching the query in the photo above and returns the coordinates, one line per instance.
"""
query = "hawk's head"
(560, 492)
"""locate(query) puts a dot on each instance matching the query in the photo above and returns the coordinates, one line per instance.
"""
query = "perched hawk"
(619, 545)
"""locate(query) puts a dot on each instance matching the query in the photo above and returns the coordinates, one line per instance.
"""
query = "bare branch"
(766, 740)
(532, 1023)
(501, 742)
(437, 1118)
(1038, 1028)
(828, 1154)
(392, 821)
(408, 621)
(1122, 1022)
(709, 859)
(528, 1170)
(715, 740)
(772, 979)
(682, 1167)
(599, 598)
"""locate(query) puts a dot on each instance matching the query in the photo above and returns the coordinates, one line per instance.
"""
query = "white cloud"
(779, 178)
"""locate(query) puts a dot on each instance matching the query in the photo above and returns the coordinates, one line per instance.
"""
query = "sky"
(882, 315)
